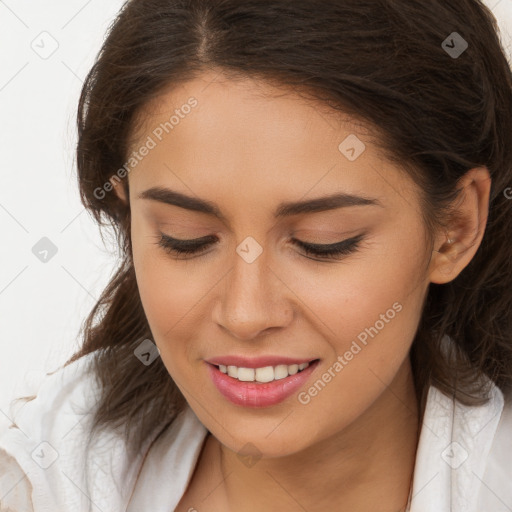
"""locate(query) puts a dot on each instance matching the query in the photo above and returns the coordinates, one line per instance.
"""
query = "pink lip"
(259, 394)
(256, 362)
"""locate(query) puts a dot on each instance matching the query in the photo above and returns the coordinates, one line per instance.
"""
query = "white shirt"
(463, 461)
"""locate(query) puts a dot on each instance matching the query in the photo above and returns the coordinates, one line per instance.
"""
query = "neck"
(367, 466)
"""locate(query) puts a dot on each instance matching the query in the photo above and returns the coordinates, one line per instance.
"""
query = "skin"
(248, 147)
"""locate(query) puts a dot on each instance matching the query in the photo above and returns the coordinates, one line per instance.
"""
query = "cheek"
(383, 285)
(170, 298)
(167, 293)
(169, 301)
(368, 312)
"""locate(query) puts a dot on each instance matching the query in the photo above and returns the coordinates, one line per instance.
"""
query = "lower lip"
(259, 394)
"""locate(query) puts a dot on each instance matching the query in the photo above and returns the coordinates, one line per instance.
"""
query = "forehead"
(248, 136)
(271, 110)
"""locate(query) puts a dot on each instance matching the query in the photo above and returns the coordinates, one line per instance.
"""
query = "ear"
(120, 188)
(455, 249)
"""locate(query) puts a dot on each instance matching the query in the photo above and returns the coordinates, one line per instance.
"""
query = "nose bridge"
(251, 300)
(247, 280)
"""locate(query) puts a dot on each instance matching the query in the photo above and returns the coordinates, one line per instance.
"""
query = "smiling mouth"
(263, 374)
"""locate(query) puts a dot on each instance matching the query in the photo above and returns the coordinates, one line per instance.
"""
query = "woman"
(313, 309)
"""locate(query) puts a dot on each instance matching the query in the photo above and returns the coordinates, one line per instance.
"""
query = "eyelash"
(323, 251)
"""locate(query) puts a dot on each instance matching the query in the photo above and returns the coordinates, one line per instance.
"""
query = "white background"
(42, 305)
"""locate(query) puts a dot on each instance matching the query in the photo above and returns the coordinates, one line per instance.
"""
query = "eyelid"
(205, 238)
(321, 252)
(208, 238)
(330, 245)
(211, 238)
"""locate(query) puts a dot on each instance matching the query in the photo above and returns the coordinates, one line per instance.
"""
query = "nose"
(253, 300)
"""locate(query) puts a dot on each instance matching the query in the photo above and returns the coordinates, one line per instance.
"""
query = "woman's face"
(254, 291)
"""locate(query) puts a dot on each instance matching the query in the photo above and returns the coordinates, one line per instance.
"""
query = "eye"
(180, 247)
(331, 251)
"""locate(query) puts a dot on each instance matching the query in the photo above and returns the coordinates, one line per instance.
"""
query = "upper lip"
(257, 362)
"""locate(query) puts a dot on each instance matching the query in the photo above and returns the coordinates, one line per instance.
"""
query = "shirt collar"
(452, 452)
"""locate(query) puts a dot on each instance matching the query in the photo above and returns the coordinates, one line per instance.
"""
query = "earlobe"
(457, 248)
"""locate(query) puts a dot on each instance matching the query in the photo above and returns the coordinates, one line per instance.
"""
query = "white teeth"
(280, 371)
(245, 374)
(293, 369)
(264, 374)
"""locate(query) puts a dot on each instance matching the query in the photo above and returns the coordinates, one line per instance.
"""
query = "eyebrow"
(286, 209)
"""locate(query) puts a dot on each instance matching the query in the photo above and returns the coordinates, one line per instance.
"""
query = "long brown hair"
(386, 62)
